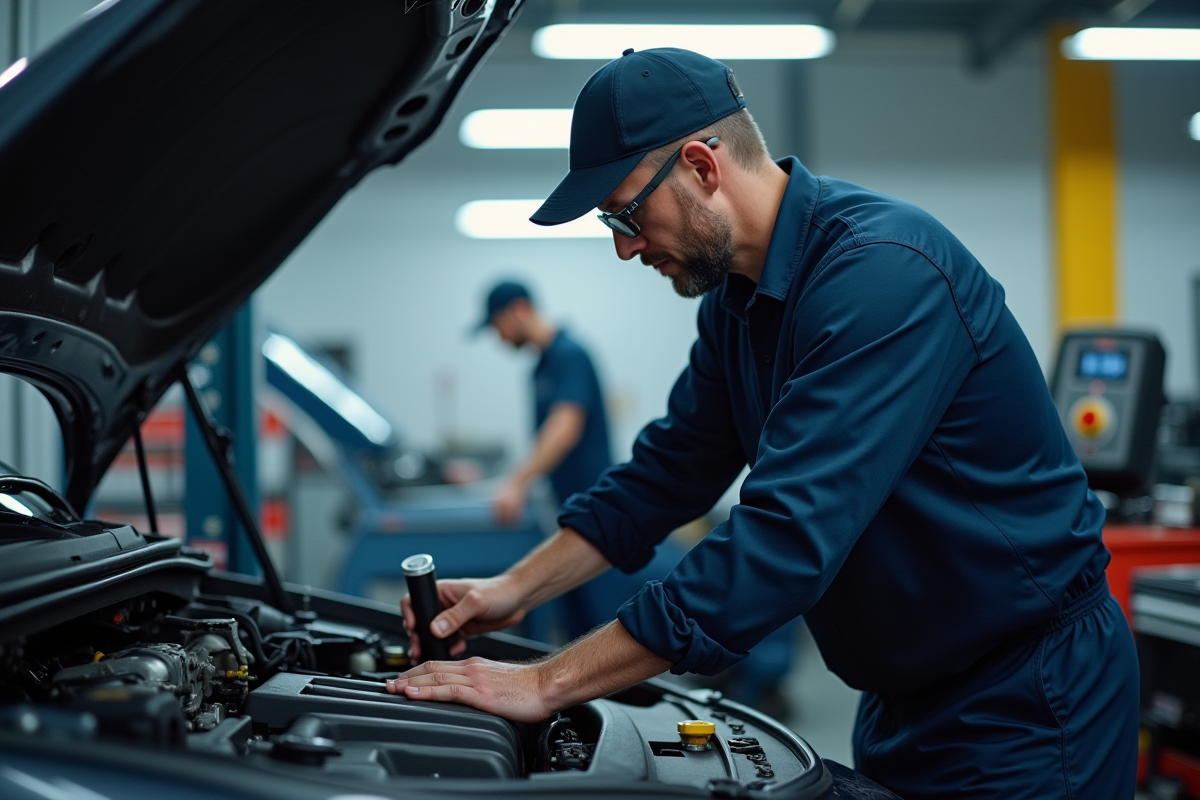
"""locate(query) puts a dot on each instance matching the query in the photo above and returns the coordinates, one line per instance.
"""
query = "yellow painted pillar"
(1083, 158)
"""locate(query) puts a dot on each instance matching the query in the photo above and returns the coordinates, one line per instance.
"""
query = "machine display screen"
(1108, 365)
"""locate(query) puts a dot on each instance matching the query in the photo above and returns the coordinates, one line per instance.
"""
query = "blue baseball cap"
(501, 296)
(632, 105)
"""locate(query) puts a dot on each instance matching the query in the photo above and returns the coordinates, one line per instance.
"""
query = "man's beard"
(706, 251)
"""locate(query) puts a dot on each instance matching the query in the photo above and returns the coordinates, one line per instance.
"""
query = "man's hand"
(605, 661)
(509, 503)
(512, 691)
(478, 605)
(472, 606)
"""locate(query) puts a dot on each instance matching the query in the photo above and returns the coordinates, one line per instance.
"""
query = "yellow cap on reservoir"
(695, 733)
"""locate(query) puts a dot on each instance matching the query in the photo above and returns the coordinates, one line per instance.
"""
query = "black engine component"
(560, 748)
(136, 713)
(208, 672)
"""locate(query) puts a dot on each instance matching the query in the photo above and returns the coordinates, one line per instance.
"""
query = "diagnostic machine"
(1108, 387)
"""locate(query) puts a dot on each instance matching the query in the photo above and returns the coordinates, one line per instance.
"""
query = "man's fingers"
(453, 618)
(431, 673)
(439, 679)
(434, 666)
(445, 693)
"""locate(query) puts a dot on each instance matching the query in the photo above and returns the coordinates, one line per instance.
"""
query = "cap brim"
(584, 189)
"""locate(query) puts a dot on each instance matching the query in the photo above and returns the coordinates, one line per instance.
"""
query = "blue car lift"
(223, 376)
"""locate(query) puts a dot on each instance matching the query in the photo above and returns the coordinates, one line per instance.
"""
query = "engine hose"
(245, 623)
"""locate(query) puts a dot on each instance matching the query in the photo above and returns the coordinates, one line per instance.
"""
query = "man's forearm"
(557, 565)
(601, 663)
(559, 433)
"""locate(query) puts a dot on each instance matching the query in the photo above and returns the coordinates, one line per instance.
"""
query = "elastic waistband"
(1076, 609)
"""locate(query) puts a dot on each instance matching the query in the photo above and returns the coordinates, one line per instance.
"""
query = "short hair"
(738, 131)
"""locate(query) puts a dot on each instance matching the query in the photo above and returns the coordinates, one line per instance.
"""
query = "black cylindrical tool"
(422, 591)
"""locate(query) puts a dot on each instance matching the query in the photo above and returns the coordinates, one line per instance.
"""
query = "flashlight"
(422, 591)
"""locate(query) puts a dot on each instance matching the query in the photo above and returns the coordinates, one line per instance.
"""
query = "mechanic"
(911, 490)
(571, 446)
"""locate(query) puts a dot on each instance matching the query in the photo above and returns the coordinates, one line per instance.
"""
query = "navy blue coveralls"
(565, 374)
(911, 493)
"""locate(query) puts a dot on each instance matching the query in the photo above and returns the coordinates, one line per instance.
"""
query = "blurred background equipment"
(1108, 387)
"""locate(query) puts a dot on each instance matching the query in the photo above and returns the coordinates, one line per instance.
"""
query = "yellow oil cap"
(695, 733)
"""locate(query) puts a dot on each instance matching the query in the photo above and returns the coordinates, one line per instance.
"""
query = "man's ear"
(701, 162)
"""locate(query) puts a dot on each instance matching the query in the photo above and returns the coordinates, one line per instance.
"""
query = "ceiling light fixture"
(1134, 44)
(1194, 127)
(516, 128)
(509, 219)
(14, 69)
(606, 41)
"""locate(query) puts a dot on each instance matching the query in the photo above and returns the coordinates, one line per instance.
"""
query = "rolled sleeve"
(610, 531)
(653, 619)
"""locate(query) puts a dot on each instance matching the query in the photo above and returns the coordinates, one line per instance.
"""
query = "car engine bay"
(209, 669)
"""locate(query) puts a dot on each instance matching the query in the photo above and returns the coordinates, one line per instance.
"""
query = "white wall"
(1160, 209)
(912, 122)
(387, 271)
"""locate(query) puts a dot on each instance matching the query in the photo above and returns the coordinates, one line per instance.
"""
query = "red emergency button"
(1091, 416)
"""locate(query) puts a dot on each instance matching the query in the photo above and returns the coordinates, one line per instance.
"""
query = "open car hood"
(166, 156)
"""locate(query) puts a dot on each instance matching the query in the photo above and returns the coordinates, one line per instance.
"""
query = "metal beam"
(1126, 10)
(849, 13)
(1005, 26)
(1084, 167)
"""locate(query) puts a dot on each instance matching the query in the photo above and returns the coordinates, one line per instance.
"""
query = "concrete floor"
(822, 707)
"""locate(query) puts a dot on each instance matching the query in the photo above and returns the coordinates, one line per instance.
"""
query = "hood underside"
(166, 156)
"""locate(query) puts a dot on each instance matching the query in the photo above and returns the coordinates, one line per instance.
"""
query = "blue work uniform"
(565, 374)
(911, 493)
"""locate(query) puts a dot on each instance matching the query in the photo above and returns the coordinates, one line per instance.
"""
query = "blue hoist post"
(223, 373)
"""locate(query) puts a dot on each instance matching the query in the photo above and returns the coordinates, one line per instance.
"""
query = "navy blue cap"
(632, 105)
(499, 298)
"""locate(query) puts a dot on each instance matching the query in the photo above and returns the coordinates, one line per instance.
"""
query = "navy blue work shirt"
(911, 490)
(565, 374)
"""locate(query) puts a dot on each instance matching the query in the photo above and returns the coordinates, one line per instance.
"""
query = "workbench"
(1136, 546)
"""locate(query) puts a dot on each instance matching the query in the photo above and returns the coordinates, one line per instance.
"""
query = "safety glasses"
(620, 221)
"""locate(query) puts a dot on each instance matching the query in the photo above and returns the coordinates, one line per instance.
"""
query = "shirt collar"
(786, 246)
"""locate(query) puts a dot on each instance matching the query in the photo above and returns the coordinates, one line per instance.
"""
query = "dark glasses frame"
(620, 221)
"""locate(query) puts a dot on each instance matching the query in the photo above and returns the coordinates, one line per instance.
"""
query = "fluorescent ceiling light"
(314, 376)
(509, 219)
(517, 128)
(605, 41)
(14, 69)
(1194, 127)
(1134, 44)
